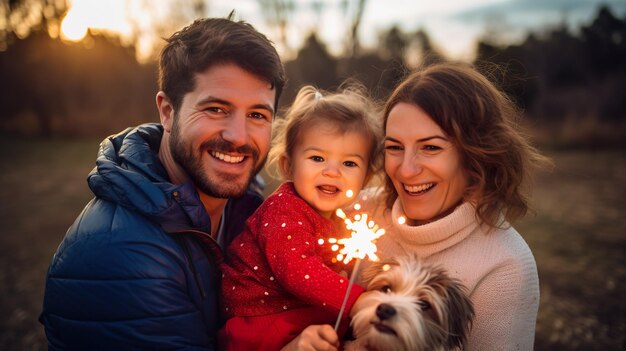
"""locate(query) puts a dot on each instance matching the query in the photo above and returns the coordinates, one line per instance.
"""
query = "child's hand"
(315, 338)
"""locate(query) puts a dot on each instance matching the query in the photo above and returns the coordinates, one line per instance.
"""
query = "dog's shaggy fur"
(409, 306)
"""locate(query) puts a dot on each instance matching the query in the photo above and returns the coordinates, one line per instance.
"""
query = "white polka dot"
(303, 256)
(271, 278)
(285, 307)
(288, 237)
(226, 308)
(299, 222)
(293, 249)
(341, 280)
(241, 245)
(281, 194)
(256, 267)
(283, 225)
(266, 293)
(307, 276)
(323, 303)
(266, 224)
(262, 301)
(233, 287)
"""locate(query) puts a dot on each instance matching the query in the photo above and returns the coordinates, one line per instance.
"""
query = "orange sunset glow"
(127, 19)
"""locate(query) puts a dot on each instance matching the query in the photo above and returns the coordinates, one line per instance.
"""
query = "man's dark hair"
(212, 41)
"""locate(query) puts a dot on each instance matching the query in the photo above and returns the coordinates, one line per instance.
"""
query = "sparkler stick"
(345, 298)
(359, 245)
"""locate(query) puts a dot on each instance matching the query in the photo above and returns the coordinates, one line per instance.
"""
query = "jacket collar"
(129, 173)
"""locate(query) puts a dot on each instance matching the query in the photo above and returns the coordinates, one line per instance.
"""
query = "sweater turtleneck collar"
(435, 236)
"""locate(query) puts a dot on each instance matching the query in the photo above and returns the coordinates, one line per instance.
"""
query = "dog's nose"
(385, 311)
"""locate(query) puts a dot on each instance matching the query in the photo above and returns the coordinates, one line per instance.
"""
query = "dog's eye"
(424, 305)
(386, 289)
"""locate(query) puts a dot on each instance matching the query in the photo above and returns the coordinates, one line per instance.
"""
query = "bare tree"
(18, 18)
(179, 14)
(277, 13)
(354, 29)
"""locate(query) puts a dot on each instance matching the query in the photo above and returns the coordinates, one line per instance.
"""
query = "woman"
(455, 168)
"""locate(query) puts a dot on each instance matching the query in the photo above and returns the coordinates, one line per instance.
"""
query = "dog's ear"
(461, 314)
(375, 268)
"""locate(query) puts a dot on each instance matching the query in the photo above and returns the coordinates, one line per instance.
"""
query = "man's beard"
(221, 185)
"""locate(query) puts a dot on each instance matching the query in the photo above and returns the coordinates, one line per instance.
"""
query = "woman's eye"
(424, 305)
(317, 158)
(386, 289)
(431, 148)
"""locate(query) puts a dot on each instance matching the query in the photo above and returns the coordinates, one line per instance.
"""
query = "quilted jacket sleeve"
(124, 287)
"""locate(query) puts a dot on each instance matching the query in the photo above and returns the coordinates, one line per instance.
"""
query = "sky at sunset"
(453, 25)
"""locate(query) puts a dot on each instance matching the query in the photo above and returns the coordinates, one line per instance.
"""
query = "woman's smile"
(418, 189)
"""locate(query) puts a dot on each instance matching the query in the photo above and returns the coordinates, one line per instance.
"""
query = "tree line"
(563, 79)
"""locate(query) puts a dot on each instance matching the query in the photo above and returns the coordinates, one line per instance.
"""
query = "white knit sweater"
(496, 266)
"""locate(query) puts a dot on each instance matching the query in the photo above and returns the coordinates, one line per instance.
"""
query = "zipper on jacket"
(183, 243)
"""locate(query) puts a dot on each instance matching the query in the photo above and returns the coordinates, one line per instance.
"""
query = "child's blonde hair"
(348, 110)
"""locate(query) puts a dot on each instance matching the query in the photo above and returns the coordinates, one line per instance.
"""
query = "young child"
(277, 279)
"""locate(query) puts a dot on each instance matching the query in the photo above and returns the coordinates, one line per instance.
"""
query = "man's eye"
(215, 109)
(317, 158)
(257, 115)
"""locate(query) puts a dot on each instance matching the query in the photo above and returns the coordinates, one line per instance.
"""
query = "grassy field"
(578, 237)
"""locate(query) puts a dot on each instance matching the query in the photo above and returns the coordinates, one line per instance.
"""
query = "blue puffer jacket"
(137, 269)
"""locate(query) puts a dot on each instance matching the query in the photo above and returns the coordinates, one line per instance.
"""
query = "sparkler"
(358, 246)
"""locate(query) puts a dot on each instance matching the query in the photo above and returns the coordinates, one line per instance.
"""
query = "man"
(138, 268)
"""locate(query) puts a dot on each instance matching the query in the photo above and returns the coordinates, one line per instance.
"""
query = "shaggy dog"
(410, 306)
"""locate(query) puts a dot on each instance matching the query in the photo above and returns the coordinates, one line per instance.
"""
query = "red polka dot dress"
(277, 279)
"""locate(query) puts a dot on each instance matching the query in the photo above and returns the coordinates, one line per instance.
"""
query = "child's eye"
(350, 164)
(393, 147)
(317, 158)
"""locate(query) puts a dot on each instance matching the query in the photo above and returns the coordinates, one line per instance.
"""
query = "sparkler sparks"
(359, 245)
(361, 242)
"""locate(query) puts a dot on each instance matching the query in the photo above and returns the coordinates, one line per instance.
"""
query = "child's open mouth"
(328, 189)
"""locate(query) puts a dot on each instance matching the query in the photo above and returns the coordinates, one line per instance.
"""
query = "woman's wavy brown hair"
(481, 121)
